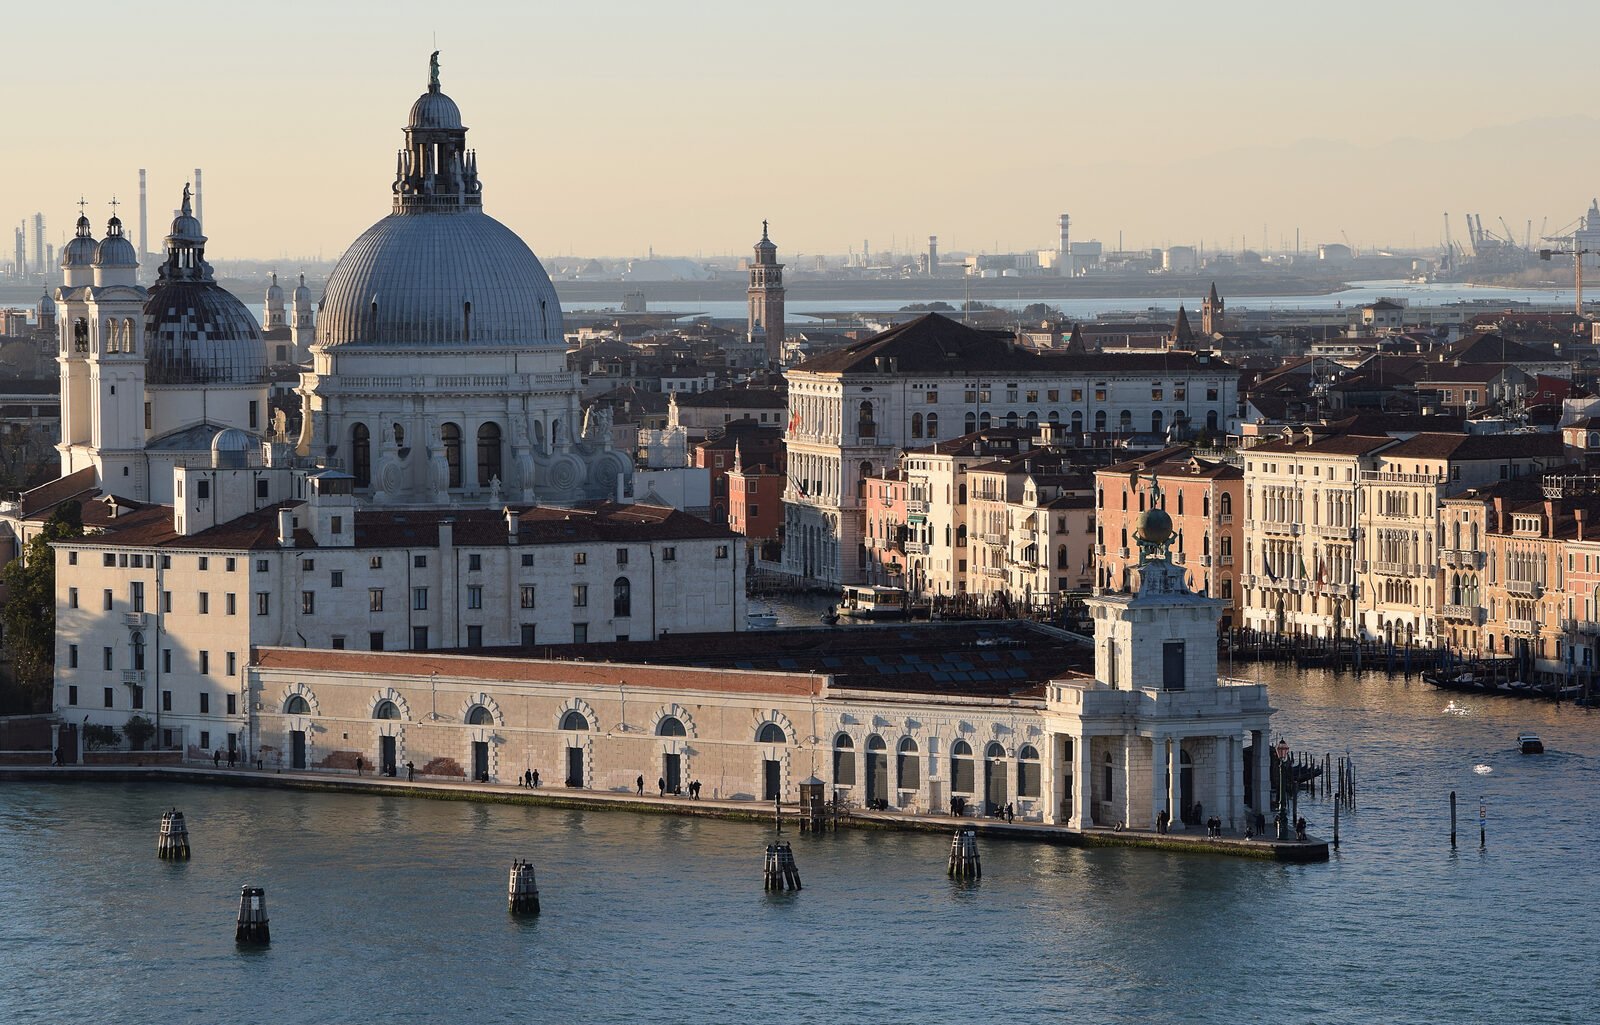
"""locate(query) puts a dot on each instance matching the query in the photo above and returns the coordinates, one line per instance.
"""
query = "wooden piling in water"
(172, 844)
(1452, 820)
(522, 891)
(780, 872)
(252, 929)
(964, 863)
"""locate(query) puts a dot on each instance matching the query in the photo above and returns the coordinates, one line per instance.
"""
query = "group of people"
(530, 779)
(692, 791)
(1214, 825)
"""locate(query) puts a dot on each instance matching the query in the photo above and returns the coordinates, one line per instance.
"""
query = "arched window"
(961, 536)
(1155, 421)
(1180, 503)
(488, 454)
(671, 726)
(771, 733)
(907, 767)
(386, 710)
(1225, 504)
(972, 422)
(916, 425)
(844, 761)
(1061, 557)
(296, 705)
(450, 437)
(478, 715)
(138, 650)
(1227, 546)
(1211, 420)
(1125, 420)
(961, 494)
(1011, 419)
(1032, 420)
(933, 425)
(1028, 778)
(621, 597)
(984, 421)
(575, 721)
(963, 775)
(866, 427)
(1227, 587)
(1100, 420)
(361, 455)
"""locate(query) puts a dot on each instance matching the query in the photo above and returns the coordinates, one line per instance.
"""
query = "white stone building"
(852, 411)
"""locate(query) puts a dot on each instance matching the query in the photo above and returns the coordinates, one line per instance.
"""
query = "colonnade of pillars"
(1073, 765)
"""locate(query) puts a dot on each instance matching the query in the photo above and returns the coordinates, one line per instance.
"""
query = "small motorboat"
(1530, 744)
(760, 619)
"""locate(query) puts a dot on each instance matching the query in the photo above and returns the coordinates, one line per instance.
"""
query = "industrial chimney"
(933, 256)
(144, 219)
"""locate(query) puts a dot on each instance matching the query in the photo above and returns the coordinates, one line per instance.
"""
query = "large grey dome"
(451, 278)
(197, 332)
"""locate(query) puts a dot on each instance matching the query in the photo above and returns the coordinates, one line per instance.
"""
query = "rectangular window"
(419, 638)
(105, 658)
(72, 597)
(231, 603)
(474, 597)
(137, 694)
(230, 564)
(166, 660)
(1172, 666)
(527, 560)
(1100, 394)
(72, 558)
(233, 704)
(722, 551)
(166, 701)
(474, 563)
(108, 559)
(376, 562)
(580, 633)
(528, 634)
(337, 642)
(108, 697)
(72, 656)
(527, 596)
(205, 663)
(474, 636)
(136, 595)
(262, 566)
(308, 564)
(374, 599)
(263, 603)
(263, 491)
(419, 562)
(375, 640)
(580, 558)
(669, 554)
(622, 556)
(106, 599)
(205, 707)
(308, 603)
(205, 737)
(337, 580)
(933, 396)
(255, 414)
(72, 695)
(336, 524)
(205, 561)
(205, 603)
(233, 663)
(419, 598)
(580, 596)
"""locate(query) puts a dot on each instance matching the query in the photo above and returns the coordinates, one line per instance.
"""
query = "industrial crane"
(1569, 247)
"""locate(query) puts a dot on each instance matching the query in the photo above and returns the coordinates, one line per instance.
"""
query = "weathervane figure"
(433, 72)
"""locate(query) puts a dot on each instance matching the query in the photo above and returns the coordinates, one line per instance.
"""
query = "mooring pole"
(1452, 820)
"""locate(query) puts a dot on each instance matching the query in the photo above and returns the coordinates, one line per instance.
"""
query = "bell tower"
(766, 299)
(1211, 311)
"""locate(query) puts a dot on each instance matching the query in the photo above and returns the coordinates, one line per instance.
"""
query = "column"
(1049, 773)
(1082, 782)
(1236, 807)
(1129, 743)
(1221, 803)
(1263, 769)
(1158, 790)
(1175, 784)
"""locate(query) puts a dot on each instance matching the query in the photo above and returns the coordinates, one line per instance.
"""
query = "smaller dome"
(273, 291)
(1154, 526)
(231, 448)
(80, 250)
(185, 227)
(115, 250)
(302, 294)
(434, 109)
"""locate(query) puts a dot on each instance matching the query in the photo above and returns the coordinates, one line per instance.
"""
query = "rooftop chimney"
(513, 525)
(286, 527)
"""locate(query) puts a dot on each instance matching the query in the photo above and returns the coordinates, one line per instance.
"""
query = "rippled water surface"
(389, 909)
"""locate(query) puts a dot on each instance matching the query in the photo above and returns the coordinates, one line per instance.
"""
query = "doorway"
(297, 749)
(995, 789)
(386, 756)
(575, 767)
(480, 761)
(672, 772)
(771, 780)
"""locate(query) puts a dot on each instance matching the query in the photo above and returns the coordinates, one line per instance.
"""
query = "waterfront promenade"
(1192, 841)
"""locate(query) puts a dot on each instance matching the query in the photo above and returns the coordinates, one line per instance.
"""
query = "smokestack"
(144, 218)
(199, 204)
(933, 255)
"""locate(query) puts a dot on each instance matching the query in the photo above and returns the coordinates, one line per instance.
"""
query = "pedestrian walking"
(639, 784)
(56, 758)
(533, 781)
(358, 765)
(216, 758)
(411, 771)
(661, 786)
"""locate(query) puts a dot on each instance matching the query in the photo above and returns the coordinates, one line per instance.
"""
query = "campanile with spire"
(766, 298)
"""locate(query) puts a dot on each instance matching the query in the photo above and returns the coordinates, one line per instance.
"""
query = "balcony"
(916, 507)
(1461, 559)
(1382, 477)
(134, 620)
(1274, 527)
(1226, 519)
(1338, 532)
(1249, 580)
(1472, 614)
(1580, 626)
(1179, 558)
(1525, 588)
(1521, 626)
(1122, 553)
(1205, 562)
(916, 548)
(994, 539)
(996, 572)
(1099, 549)
(1395, 569)
(133, 677)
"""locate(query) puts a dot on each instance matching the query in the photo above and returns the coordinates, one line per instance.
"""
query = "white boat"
(1529, 743)
(873, 601)
(760, 619)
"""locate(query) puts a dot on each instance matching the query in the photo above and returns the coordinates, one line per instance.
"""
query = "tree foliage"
(138, 730)
(29, 612)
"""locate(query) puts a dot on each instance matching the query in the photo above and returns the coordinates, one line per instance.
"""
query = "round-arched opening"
(480, 716)
(671, 726)
(771, 733)
(575, 721)
(386, 709)
(296, 705)
(875, 743)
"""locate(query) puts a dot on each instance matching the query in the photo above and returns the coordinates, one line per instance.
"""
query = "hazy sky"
(606, 128)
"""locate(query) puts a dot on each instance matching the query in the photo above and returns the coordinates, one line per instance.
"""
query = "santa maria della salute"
(433, 374)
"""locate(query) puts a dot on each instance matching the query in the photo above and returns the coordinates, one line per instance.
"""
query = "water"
(387, 909)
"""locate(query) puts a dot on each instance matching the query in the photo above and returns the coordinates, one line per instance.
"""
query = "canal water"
(393, 910)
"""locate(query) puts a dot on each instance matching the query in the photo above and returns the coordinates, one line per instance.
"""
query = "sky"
(614, 128)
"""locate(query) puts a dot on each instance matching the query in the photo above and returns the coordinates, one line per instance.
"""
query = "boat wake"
(1482, 770)
(1454, 709)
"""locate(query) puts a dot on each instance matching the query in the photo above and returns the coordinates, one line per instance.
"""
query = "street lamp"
(1283, 789)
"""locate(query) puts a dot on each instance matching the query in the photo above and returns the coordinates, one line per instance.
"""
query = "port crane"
(1567, 245)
